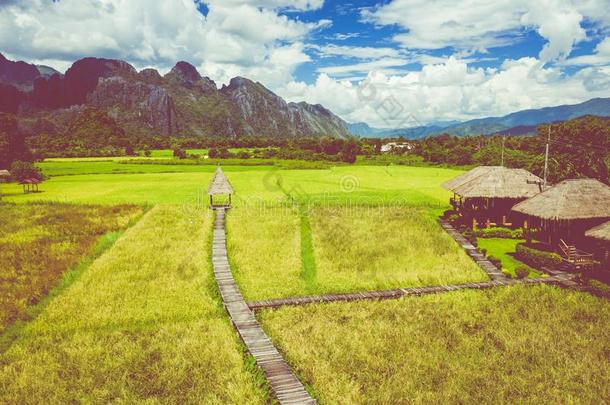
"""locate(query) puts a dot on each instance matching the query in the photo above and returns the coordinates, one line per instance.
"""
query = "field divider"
(284, 384)
(399, 292)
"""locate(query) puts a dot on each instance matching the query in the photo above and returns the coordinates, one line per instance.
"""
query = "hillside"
(144, 103)
(517, 123)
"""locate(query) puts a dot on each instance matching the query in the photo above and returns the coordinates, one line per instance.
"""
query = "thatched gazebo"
(601, 236)
(220, 186)
(486, 196)
(566, 211)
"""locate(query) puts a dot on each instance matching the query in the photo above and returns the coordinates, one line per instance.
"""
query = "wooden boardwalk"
(487, 266)
(399, 292)
(284, 384)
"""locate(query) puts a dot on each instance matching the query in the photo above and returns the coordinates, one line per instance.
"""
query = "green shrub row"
(498, 232)
(537, 258)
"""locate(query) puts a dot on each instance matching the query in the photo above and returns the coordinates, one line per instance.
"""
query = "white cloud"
(482, 24)
(359, 52)
(601, 56)
(364, 66)
(451, 90)
(239, 37)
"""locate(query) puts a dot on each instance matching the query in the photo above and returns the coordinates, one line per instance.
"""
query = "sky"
(389, 63)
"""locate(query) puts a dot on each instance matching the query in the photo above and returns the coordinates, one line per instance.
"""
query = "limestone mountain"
(144, 103)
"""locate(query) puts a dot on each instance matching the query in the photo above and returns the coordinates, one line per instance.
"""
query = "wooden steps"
(284, 384)
(488, 267)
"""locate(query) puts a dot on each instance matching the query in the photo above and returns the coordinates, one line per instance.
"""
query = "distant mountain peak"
(186, 71)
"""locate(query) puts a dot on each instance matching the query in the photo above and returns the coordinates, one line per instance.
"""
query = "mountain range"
(517, 123)
(145, 103)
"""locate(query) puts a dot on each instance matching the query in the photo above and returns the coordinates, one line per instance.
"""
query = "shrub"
(147, 152)
(498, 232)
(243, 155)
(25, 170)
(453, 218)
(522, 272)
(179, 153)
(537, 258)
(213, 153)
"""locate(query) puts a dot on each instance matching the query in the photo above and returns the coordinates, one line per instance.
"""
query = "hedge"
(497, 232)
(537, 258)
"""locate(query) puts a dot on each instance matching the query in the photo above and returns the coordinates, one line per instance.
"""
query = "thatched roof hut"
(601, 232)
(5, 173)
(466, 177)
(569, 200)
(219, 184)
(501, 183)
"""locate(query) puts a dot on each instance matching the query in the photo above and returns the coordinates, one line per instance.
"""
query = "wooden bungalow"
(220, 186)
(600, 236)
(562, 214)
(486, 195)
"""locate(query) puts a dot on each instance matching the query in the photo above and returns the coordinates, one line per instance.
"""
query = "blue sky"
(387, 62)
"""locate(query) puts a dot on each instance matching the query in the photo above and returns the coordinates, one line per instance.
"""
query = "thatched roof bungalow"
(601, 236)
(466, 177)
(488, 194)
(567, 210)
(600, 232)
(5, 173)
(220, 185)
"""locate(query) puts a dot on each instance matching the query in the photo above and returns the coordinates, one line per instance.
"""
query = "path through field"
(284, 384)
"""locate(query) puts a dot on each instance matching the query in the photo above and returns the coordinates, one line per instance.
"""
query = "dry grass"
(142, 324)
(507, 345)
(39, 242)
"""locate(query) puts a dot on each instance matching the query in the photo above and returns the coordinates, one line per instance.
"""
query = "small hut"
(220, 186)
(4, 174)
(30, 185)
(601, 242)
(487, 195)
(562, 214)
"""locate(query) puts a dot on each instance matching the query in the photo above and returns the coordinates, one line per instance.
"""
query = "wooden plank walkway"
(284, 384)
(480, 259)
(398, 293)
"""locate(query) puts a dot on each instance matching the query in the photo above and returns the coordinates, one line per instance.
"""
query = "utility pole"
(546, 157)
(503, 139)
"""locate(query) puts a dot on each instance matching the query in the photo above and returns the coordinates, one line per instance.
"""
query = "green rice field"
(109, 295)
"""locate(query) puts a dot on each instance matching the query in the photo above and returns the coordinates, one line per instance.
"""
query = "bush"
(522, 272)
(25, 170)
(537, 258)
(213, 153)
(147, 152)
(498, 232)
(179, 153)
(243, 155)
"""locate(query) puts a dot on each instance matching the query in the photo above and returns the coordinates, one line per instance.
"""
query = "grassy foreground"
(39, 242)
(142, 324)
(507, 345)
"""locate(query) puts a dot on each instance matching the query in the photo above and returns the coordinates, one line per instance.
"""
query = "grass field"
(142, 324)
(503, 249)
(39, 242)
(370, 185)
(353, 249)
(137, 317)
(507, 345)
